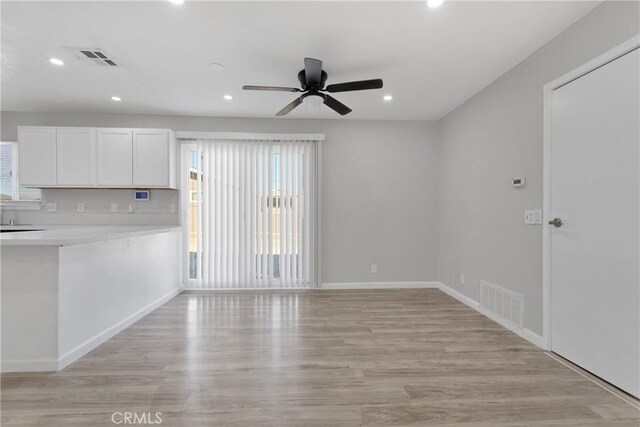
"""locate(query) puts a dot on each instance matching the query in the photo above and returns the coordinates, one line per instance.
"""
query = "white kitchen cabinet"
(154, 158)
(80, 157)
(76, 157)
(37, 156)
(115, 157)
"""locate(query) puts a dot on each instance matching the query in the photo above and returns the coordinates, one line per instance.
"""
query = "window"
(10, 189)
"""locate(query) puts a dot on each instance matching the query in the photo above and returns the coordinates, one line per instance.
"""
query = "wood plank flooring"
(315, 358)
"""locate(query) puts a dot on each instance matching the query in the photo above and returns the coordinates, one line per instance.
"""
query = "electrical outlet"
(114, 207)
(80, 207)
(52, 207)
(172, 208)
(462, 279)
(374, 268)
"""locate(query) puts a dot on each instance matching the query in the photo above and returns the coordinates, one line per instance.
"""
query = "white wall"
(378, 188)
(497, 135)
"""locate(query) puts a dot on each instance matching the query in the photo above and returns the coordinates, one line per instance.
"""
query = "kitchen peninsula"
(66, 290)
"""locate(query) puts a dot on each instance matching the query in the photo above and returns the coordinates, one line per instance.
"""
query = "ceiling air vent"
(95, 55)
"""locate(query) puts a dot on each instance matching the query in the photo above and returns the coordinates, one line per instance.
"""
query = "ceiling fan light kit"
(312, 81)
(313, 101)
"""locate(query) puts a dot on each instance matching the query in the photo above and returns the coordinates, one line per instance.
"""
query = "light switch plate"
(52, 207)
(533, 216)
(80, 207)
(374, 268)
(114, 207)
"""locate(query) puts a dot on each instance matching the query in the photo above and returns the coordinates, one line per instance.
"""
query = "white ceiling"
(431, 60)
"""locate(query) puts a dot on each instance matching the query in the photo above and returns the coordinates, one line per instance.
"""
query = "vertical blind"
(253, 214)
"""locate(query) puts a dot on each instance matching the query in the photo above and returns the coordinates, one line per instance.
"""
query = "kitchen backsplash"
(97, 208)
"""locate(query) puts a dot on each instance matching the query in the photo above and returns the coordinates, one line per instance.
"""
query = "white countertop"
(65, 235)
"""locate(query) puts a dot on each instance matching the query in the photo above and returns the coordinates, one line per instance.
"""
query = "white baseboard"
(525, 333)
(331, 286)
(533, 338)
(195, 291)
(380, 285)
(460, 297)
(30, 365)
(82, 349)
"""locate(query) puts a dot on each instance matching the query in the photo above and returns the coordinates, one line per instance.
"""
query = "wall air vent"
(95, 55)
(502, 303)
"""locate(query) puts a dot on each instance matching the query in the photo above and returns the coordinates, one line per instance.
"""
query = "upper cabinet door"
(37, 156)
(115, 157)
(76, 157)
(152, 155)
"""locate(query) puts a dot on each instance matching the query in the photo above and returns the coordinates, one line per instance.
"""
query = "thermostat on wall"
(142, 195)
(518, 182)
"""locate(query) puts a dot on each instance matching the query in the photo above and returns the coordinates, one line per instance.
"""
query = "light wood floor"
(315, 358)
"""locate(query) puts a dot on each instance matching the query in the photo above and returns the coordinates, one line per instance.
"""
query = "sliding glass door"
(250, 214)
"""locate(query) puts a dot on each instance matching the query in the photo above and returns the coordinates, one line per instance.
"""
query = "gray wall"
(378, 188)
(497, 135)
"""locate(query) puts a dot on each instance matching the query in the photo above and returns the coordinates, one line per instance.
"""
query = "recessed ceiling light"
(216, 67)
(116, 98)
(56, 61)
(177, 1)
(387, 97)
(434, 3)
(228, 97)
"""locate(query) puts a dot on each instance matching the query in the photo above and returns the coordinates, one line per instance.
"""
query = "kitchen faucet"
(12, 221)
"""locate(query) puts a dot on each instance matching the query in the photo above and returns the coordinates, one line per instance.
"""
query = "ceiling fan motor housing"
(302, 77)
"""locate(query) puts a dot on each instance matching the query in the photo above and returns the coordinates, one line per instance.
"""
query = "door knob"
(556, 222)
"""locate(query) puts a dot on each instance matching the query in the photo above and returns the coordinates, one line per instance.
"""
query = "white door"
(76, 156)
(37, 156)
(595, 189)
(151, 158)
(115, 157)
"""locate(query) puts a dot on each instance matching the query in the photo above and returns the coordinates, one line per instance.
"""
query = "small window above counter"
(80, 157)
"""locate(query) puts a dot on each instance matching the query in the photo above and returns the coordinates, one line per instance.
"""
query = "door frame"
(607, 57)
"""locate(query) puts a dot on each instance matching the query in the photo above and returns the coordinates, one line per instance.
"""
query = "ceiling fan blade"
(290, 107)
(336, 105)
(274, 88)
(313, 71)
(359, 85)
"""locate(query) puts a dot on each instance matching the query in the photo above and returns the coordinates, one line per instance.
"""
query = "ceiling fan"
(312, 80)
